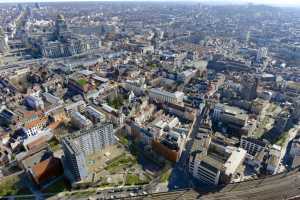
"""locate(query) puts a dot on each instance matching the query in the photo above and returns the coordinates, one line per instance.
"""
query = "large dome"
(60, 17)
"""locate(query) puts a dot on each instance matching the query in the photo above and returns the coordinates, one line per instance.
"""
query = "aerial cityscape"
(149, 100)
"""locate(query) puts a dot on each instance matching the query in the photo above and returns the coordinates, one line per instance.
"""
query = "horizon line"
(213, 2)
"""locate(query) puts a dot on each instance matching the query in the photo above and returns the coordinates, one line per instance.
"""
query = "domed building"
(61, 29)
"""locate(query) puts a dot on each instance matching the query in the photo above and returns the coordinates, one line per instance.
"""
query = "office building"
(162, 96)
(212, 162)
(249, 87)
(187, 75)
(51, 98)
(115, 116)
(80, 121)
(295, 147)
(252, 145)
(34, 102)
(54, 49)
(76, 106)
(230, 115)
(6, 116)
(296, 160)
(94, 115)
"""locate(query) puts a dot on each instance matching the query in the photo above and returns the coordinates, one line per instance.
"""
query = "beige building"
(214, 163)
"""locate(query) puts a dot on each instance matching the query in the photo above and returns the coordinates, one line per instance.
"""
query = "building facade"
(74, 161)
(79, 120)
(95, 138)
(165, 96)
(252, 145)
(94, 115)
(82, 143)
(3, 41)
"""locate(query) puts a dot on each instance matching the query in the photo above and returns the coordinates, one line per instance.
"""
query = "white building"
(116, 117)
(252, 145)
(77, 106)
(261, 53)
(147, 49)
(94, 114)
(188, 74)
(165, 96)
(211, 170)
(213, 163)
(51, 98)
(138, 86)
(44, 135)
(3, 41)
(79, 120)
(145, 113)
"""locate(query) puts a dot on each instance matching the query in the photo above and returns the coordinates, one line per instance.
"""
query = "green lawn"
(152, 65)
(24, 191)
(165, 176)
(106, 184)
(82, 194)
(133, 179)
(54, 144)
(116, 102)
(124, 140)
(282, 139)
(12, 186)
(120, 162)
(82, 82)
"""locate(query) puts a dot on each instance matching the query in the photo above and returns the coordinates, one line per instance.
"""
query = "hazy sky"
(273, 2)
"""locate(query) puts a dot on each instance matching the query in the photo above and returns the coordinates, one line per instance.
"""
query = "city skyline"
(266, 2)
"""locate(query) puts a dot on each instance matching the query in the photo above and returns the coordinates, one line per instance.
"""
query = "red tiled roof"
(47, 169)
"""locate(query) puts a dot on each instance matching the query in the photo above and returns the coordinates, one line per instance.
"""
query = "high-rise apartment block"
(74, 161)
(82, 143)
